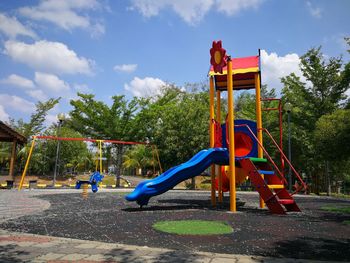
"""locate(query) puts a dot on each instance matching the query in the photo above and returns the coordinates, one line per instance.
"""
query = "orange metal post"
(231, 117)
(211, 134)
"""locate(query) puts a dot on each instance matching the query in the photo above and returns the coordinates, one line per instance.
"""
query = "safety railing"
(280, 175)
(303, 184)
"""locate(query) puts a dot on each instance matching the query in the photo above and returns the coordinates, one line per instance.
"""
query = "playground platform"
(59, 226)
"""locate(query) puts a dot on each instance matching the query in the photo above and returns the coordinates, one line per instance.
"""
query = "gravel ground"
(107, 217)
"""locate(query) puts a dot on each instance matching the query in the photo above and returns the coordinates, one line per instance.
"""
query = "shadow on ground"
(321, 248)
(12, 253)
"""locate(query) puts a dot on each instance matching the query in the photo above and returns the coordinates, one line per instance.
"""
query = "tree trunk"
(193, 183)
(119, 159)
(329, 190)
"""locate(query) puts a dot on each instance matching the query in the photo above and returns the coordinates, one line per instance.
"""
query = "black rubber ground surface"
(312, 234)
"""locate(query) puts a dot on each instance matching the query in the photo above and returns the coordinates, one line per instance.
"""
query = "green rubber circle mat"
(193, 227)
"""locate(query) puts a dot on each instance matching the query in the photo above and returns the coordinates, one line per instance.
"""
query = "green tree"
(36, 123)
(322, 93)
(96, 119)
(73, 154)
(35, 126)
(177, 121)
(139, 157)
(332, 137)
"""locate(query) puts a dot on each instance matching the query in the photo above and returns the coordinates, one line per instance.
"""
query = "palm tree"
(138, 157)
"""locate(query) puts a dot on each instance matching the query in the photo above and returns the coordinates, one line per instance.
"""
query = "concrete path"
(19, 247)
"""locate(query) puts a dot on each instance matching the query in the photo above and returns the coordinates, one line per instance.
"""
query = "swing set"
(155, 153)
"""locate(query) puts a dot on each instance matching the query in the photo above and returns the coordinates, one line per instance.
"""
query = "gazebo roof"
(7, 134)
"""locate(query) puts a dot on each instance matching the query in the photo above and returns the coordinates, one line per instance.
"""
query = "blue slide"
(166, 181)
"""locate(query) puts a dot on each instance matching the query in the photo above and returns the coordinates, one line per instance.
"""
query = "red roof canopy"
(243, 69)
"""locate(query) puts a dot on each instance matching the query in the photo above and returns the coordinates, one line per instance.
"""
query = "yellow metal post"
(258, 113)
(232, 170)
(218, 119)
(211, 134)
(259, 121)
(27, 164)
(160, 165)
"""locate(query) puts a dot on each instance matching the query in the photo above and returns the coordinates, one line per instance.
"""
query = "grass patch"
(193, 227)
(344, 210)
(109, 180)
(347, 222)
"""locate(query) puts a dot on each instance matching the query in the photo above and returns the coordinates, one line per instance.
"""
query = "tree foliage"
(332, 135)
(96, 119)
(321, 93)
(36, 124)
(139, 157)
(177, 122)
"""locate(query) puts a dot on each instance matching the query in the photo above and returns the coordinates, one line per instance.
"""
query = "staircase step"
(266, 172)
(276, 186)
(286, 201)
(258, 160)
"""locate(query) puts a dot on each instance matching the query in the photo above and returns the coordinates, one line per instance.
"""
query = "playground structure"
(94, 181)
(96, 177)
(236, 147)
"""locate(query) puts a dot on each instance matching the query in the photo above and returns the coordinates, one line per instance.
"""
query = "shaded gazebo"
(7, 134)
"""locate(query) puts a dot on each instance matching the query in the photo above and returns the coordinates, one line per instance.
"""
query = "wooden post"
(13, 159)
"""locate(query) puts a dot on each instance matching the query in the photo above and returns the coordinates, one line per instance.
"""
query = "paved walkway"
(21, 247)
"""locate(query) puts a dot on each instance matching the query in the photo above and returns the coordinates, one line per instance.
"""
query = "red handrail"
(264, 150)
(279, 108)
(87, 140)
(289, 163)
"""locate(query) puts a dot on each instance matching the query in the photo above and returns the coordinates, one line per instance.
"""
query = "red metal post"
(279, 108)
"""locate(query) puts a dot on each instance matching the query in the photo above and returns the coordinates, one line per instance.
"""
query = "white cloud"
(314, 11)
(53, 57)
(65, 14)
(50, 118)
(18, 81)
(37, 94)
(3, 115)
(50, 82)
(83, 88)
(190, 11)
(11, 27)
(147, 87)
(16, 103)
(97, 30)
(193, 11)
(230, 7)
(128, 68)
(275, 67)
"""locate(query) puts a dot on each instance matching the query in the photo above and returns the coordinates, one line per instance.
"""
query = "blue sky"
(55, 48)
